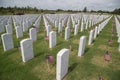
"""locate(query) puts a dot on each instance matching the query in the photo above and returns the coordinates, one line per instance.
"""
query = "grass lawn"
(87, 67)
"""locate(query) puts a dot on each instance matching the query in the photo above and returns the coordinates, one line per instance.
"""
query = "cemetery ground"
(88, 67)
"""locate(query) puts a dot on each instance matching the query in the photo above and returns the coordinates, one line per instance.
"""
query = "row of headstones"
(55, 20)
(52, 35)
(25, 23)
(67, 29)
(92, 35)
(6, 20)
(118, 31)
(75, 26)
(62, 56)
(8, 25)
(7, 38)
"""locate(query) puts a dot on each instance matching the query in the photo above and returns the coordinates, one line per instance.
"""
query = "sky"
(108, 5)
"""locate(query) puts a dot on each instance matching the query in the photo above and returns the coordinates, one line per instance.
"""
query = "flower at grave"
(47, 38)
(107, 56)
(49, 58)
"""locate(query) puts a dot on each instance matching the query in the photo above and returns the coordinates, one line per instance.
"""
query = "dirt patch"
(105, 47)
(99, 61)
(43, 70)
(75, 41)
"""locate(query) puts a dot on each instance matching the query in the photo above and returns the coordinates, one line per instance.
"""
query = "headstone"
(68, 23)
(76, 30)
(48, 28)
(33, 34)
(62, 63)
(60, 27)
(82, 44)
(119, 43)
(56, 24)
(98, 31)
(26, 49)
(19, 32)
(95, 33)
(25, 27)
(2, 29)
(73, 24)
(90, 37)
(9, 29)
(87, 25)
(52, 39)
(7, 41)
(67, 33)
(82, 26)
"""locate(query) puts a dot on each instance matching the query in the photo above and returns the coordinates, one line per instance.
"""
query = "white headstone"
(95, 33)
(67, 33)
(82, 44)
(60, 27)
(7, 41)
(2, 29)
(118, 39)
(52, 39)
(25, 27)
(98, 31)
(33, 34)
(9, 29)
(19, 32)
(73, 24)
(48, 28)
(82, 26)
(87, 24)
(56, 24)
(76, 30)
(90, 37)
(62, 63)
(26, 49)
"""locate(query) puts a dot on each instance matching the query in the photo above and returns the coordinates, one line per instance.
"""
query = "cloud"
(64, 4)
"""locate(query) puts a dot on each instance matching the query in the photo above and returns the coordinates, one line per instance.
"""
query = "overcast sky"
(64, 4)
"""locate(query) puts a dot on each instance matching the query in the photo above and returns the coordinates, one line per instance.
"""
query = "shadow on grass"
(72, 67)
(38, 54)
(86, 50)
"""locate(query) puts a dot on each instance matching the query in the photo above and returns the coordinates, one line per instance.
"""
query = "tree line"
(29, 10)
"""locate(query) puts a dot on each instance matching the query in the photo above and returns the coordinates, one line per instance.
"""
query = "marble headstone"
(26, 49)
(90, 37)
(62, 63)
(82, 44)
(52, 39)
(7, 41)
(67, 33)
(76, 30)
(33, 34)
(19, 32)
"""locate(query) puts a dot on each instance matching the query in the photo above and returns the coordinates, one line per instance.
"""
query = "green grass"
(87, 67)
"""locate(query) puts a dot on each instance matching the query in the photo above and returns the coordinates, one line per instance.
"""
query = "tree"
(85, 9)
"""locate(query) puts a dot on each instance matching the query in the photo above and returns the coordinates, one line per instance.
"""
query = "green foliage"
(85, 9)
(116, 11)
